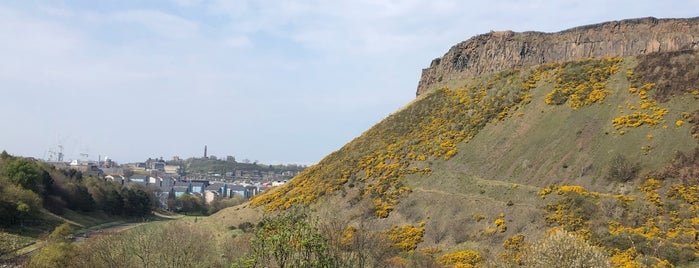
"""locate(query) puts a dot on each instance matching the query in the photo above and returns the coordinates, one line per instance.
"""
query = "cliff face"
(498, 51)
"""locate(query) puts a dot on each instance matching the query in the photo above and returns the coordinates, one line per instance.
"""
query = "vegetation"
(406, 237)
(581, 82)
(34, 196)
(221, 166)
(289, 240)
(172, 244)
(563, 249)
(652, 229)
(621, 169)
(677, 76)
(58, 251)
(645, 112)
(466, 258)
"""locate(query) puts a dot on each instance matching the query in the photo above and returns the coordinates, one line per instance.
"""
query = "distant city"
(208, 176)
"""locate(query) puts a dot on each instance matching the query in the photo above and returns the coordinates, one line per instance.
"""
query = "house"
(144, 179)
(278, 183)
(112, 171)
(238, 190)
(181, 188)
(210, 196)
(168, 181)
(251, 190)
(198, 187)
(161, 182)
(221, 188)
(172, 169)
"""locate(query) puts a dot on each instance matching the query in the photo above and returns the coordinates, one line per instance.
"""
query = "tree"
(171, 200)
(47, 184)
(106, 195)
(137, 201)
(4, 155)
(77, 196)
(17, 204)
(191, 203)
(24, 173)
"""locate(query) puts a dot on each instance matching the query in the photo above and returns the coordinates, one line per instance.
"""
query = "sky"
(277, 81)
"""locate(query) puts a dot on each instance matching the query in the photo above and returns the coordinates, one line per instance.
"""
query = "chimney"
(205, 152)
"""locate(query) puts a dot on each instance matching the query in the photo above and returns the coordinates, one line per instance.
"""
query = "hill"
(507, 141)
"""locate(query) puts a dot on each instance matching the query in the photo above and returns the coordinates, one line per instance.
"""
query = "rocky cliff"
(496, 51)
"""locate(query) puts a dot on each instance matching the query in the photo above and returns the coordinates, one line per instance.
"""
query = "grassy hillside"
(471, 162)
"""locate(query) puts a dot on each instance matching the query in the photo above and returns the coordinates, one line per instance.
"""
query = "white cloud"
(161, 23)
(239, 41)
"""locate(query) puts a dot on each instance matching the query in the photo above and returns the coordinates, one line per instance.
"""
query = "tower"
(205, 152)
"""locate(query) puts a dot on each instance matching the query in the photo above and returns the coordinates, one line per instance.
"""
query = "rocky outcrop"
(496, 51)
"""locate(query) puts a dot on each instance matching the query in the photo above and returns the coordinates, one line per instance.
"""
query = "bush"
(245, 226)
(406, 237)
(563, 249)
(622, 170)
(289, 240)
(466, 258)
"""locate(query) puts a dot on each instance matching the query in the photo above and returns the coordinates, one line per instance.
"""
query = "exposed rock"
(496, 51)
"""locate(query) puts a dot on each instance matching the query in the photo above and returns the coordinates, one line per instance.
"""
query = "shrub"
(563, 249)
(291, 240)
(245, 226)
(466, 258)
(500, 223)
(622, 170)
(513, 250)
(406, 237)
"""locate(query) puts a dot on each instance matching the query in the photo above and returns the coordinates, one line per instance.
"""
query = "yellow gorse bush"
(465, 258)
(406, 237)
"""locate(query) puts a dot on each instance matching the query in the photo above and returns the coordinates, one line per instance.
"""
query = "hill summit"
(520, 144)
(497, 51)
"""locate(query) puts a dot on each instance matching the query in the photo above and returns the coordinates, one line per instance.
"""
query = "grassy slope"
(546, 145)
(534, 148)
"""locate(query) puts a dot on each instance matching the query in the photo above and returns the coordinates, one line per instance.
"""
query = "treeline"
(27, 187)
(204, 165)
(195, 204)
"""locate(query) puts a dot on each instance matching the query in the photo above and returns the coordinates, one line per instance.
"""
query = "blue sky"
(274, 81)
